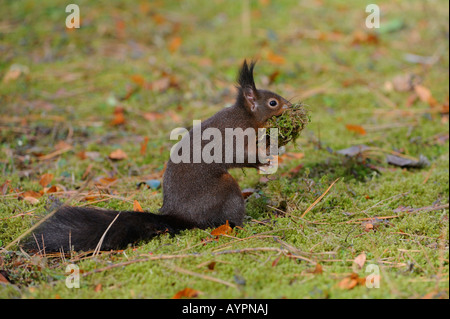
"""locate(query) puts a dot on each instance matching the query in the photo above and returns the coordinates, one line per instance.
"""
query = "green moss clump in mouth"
(289, 124)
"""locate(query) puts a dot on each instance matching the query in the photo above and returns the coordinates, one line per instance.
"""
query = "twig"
(191, 273)
(55, 153)
(100, 242)
(318, 199)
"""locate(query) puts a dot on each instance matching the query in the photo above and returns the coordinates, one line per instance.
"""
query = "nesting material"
(290, 123)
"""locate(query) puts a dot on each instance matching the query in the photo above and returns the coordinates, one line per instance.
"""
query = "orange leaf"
(351, 282)
(118, 119)
(318, 270)
(138, 79)
(425, 95)
(106, 181)
(137, 207)
(186, 293)
(144, 145)
(275, 59)
(31, 194)
(118, 155)
(174, 44)
(356, 128)
(222, 230)
(53, 189)
(46, 179)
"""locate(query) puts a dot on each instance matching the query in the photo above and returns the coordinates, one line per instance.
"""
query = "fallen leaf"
(275, 59)
(152, 116)
(98, 288)
(161, 84)
(105, 181)
(31, 194)
(3, 279)
(138, 79)
(353, 150)
(247, 192)
(31, 200)
(425, 95)
(318, 270)
(360, 37)
(46, 179)
(62, 145)
(174, 44)
(186, 293)
(360, 260)
(53, 189)
(407, 162)
(222, 230)
(137, 207)
(144, 146)
(356, 128)
(119, 116)
(368, 227)
(4, 187)
(118, 155)
(351, 282)
(211, 265)
(405, 82)
(14, 72)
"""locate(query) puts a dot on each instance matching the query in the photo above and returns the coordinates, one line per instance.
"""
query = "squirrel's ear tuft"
(245, 78)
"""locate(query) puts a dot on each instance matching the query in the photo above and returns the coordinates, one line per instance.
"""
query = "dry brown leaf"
(31, 194)
(144, 146)
(360, 260)
(153, 116)
(425, 95)
(318, 270)
(275, 59)
(211, 265)
(360, 37)
(105, 181)
(52, 189)
(186, 293)
(3, 279)
(137, 207)
(356, 128)
(118, 155)
(222, 230)
(46, 179)
(174, 44)
(351, 282)
(138, 79)
(31, 200)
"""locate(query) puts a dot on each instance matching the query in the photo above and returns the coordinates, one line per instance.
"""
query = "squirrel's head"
(262, 104)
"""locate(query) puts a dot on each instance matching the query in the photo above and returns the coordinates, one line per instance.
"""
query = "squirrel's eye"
(273, 103)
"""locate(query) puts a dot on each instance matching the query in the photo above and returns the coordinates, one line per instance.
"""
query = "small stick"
(191, 273)
(318, 199)
(100, 242)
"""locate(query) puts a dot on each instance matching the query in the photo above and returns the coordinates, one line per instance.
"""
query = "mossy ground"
(168, 63)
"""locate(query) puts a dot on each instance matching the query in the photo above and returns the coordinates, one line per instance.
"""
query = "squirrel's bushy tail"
(78, 228)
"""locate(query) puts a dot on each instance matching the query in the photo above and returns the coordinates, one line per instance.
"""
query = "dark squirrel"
(195, 195)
